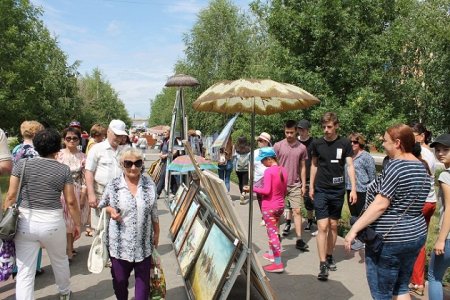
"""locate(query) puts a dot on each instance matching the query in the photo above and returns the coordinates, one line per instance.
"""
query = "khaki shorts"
(294, 197)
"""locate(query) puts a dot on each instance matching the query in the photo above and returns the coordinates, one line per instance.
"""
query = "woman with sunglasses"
(364, 172)
(133, 232)
(71, 156)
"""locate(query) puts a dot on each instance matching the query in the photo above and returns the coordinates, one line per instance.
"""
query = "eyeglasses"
(73, 139)
(129, 163)
(355, 142)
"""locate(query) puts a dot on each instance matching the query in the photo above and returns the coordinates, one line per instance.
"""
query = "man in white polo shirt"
(102, 165)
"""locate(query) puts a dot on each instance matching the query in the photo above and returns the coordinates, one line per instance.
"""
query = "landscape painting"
(185, 226)
(191, 246)
(181, 212)
(212, 265)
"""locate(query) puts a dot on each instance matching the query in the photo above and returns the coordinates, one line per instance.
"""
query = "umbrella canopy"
(263, 97)
(181, 80)
(183, 164)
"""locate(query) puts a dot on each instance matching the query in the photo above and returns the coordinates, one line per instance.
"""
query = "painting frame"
(181, 212)
(191, 213)
(180, 194)
(212, 265)
(191, 246)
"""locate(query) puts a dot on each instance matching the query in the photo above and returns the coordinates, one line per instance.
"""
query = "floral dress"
(76, 163)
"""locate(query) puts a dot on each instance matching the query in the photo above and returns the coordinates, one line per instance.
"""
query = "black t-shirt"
(308, 145)
(331, 161)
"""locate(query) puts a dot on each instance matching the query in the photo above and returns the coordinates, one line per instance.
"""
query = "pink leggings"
(271, 217)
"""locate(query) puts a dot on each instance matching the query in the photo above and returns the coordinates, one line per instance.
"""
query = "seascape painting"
(212, 265)
(181, 193)
(191, 246)
(192, 211)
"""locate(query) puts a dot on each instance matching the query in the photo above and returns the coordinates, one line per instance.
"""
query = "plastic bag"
(7, 259)
(157, 278)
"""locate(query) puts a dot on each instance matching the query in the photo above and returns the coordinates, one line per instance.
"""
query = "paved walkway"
(297, 282)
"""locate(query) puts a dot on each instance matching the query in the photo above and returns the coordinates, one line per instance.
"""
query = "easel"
(179, 81)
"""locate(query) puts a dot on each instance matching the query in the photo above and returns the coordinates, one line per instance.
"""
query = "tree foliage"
(375, 63)
(100, 102)
(35, 80)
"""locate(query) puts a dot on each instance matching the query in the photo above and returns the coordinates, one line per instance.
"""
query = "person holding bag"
(41, 220)
(133, 231)
(394, 210)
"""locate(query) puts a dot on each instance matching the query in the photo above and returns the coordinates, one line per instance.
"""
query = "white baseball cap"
(118, 127)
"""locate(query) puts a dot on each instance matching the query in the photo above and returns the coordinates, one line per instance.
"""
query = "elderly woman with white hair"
(133, 232)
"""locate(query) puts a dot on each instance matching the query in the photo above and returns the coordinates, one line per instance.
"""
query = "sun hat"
(75, 124)
(118, 127)
(304, 124)
(198, 132)
(264, 136)
(266, 152)
(443, 139)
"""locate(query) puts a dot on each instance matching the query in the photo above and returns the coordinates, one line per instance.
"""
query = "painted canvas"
(191, 246)
(212, 265)
(181, 193)
(181, 212)
(187, 222)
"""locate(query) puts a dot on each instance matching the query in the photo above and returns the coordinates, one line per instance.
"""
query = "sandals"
(416, 289)
(89, 233)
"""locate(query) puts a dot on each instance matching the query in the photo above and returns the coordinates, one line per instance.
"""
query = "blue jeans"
(389, 271)
(436, 270)
(225, 173)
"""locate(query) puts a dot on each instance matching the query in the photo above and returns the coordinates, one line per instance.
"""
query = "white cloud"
(114, 28)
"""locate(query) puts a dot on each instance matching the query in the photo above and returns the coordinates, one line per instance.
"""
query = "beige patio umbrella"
(262, 97)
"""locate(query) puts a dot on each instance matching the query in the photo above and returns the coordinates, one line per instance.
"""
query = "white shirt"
(428, 156)
(259, 167)
(104, 162)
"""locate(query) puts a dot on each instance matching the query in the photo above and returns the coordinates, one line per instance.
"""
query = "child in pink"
(272, 206)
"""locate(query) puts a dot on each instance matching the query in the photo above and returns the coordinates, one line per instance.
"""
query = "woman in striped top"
(394, 209)
(41, 220)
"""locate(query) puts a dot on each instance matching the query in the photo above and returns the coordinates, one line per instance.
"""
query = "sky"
(135, 43)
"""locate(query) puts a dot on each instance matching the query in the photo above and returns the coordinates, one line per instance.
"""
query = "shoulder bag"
(374, 240)
(98, 254)
(8, 223)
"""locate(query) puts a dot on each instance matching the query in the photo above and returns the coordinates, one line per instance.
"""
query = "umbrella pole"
(250, 205)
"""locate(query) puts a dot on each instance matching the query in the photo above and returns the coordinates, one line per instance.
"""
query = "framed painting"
(187, 222)
(181, 212)
(181, 193)
(191, 246)
(212, 265)
(189, 195)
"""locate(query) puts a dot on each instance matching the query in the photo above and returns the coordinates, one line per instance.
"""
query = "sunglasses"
(355, 142)
(73, 139)
(128, 163)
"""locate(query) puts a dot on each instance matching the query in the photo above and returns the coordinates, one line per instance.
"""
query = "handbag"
(157, 278)
(7, 259)
(372, 239)
(98, 254)
(8, 223)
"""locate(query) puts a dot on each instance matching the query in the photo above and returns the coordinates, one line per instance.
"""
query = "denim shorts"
(389, 271)
(328, 203)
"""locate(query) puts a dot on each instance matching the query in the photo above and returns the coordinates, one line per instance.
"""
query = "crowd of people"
(68, 178)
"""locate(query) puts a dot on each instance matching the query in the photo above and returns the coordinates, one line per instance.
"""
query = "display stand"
(178, 113)
(217, 210)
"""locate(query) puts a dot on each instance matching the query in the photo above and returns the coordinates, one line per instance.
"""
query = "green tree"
(35, 80)
(100, 102)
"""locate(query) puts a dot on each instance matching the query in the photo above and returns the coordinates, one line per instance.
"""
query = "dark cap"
(443, 139)
(304, 124)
